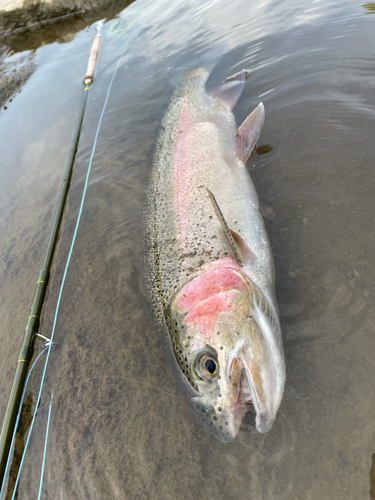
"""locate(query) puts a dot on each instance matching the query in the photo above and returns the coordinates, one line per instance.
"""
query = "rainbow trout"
(209, 264)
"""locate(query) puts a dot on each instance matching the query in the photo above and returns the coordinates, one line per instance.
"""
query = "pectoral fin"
(247, 256)
(249, 132)
(242, 253)
(230, 90)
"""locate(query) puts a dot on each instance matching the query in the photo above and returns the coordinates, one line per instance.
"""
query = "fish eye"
(206, 367)
(210, 366)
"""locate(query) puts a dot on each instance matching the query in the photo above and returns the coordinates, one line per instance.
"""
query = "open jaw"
(243, 404)
(255, 388)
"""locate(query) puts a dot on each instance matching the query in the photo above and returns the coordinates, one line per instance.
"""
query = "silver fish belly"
(209, 265)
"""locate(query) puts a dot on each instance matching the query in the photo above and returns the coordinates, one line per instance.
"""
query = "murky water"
(119, 426)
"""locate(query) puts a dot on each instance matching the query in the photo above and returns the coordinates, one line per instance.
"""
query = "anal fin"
(242, 253)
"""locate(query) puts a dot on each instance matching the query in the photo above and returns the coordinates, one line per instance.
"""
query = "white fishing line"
(45, 448)
(60, 294)
(18, 416)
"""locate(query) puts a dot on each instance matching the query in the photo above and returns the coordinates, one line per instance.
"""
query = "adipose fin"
(230, 90)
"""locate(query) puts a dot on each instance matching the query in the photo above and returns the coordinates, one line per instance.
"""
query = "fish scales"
(206, 302)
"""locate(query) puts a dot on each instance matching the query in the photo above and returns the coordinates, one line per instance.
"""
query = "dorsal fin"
(230, 90)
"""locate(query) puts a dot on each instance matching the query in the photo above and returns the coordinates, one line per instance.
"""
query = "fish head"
(231, 364)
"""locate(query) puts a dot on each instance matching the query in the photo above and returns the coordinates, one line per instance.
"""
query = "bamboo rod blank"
(32, 324)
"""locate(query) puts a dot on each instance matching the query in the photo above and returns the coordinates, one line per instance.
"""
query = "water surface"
(119, 426)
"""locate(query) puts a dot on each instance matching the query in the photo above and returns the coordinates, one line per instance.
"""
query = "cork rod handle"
(89, 75)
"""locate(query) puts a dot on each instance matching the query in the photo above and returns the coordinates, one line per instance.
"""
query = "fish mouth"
(257, 395)
(244, 403)
(256, 388)
(226, 424)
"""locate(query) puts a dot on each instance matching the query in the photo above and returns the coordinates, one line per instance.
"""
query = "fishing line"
(64, 277)
(19, 412)
(33, 320)
(45, 448)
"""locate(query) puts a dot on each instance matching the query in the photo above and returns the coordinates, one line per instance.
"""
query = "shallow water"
(119, 426)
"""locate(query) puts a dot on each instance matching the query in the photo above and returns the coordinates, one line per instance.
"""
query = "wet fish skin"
(209, 264)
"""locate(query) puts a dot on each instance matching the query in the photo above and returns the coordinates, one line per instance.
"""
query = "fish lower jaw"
(247, 402)
(237, 416)
(234, 420)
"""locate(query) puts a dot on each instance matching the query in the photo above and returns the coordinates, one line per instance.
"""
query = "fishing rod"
(32, 324)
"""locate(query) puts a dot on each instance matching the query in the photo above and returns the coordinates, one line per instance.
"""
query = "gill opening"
(233, 354)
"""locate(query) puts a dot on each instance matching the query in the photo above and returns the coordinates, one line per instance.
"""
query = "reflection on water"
(33, 27)
(19, 443)
(16, 69)
(370, 7)
(14, 72)
(262, 150)
(119, 426)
